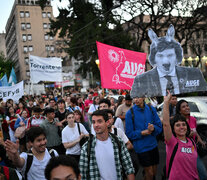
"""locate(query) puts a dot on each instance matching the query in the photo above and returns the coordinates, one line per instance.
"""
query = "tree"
(187, 16)
(84, 23)
(5, 65)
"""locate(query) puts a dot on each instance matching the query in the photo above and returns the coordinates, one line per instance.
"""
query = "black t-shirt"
(61, 116)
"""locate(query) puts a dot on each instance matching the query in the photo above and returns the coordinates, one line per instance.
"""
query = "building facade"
(27, 33)
(2, 44)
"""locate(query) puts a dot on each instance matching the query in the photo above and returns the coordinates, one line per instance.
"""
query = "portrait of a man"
(165, 56)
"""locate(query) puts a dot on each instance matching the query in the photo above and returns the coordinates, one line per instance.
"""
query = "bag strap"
(132, 112)
(6, 172)
(119, 146)
(115, 118)
(89, 153)
(51, 152)
(29, 163)
(115, 131)
(30, 160)
(172, 158)
(79, 128)
(193, 142)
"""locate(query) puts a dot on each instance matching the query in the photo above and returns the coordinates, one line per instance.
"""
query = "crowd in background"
(67, 120)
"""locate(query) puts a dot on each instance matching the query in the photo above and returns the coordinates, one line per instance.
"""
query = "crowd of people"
(89, 136)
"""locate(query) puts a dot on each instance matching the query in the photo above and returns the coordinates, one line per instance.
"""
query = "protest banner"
(165, 56)
(45, 69)
(119, 67)
(14, 92)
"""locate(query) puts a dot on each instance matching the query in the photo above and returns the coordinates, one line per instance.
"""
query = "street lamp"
(97, 63)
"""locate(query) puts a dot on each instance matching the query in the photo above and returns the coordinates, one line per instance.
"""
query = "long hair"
(81, 116)
(178, 105)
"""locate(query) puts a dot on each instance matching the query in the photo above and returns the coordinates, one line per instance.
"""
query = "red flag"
(118, 67)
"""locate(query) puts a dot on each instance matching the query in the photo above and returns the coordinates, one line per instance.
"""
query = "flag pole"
(31, 83)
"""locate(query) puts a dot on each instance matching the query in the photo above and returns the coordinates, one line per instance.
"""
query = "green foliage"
(5, 65)
(83, 23)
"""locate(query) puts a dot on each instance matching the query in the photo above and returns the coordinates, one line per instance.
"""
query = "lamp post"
(97, 63)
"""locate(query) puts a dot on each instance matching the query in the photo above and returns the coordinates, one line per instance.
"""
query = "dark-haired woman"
(80, 119)
(21, 107)
(177, 132)
(183, 109)
(11, 119)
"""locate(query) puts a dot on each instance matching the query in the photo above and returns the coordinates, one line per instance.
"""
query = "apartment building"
(2, 44)
(27, 33)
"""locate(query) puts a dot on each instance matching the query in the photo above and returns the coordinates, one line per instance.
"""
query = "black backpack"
(30, 160)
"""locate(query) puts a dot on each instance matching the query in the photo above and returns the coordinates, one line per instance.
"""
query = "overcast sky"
(6, 6)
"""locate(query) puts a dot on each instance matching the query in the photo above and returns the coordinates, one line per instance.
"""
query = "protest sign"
(14, 92)
(118, 67)
(165, 56)
(45, 69)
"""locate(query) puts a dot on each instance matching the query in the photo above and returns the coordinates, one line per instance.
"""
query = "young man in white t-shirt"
(108, 159)
(117, 131)
(37, 138)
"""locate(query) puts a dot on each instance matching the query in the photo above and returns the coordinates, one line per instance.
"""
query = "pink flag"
(118, 67)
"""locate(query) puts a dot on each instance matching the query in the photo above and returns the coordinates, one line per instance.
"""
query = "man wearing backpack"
(31, 164)
(142, 127)
(105, 155)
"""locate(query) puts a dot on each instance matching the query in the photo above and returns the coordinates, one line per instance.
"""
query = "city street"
(161, 146)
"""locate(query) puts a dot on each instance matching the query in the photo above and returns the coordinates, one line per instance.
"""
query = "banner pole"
(62, 88)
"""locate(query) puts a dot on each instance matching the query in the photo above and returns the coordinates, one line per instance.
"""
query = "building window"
(49, 15)
(45, 25)
(198, 34)
(204, 34)
(44, 14)
(29, 37)
(24, 37)
(51, 38)
(21, 14)
(46, 37)
(28, 26)
(25, 49)
(47, 47)
(26, 59)
(49, 25)
(28, 73)
(30, 48)
(205, 47)
(52, 48)
(27, 14)
(23, 26)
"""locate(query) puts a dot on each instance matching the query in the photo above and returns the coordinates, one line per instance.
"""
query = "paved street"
(161, 146)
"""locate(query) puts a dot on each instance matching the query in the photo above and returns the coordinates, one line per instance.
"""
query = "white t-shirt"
(37, 169)
(104, 153)
(93, 108)
(71, 134)
(36, 122)
(119, 124)
(121, 134)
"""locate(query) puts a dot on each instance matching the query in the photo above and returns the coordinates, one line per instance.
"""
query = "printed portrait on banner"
(165, 56)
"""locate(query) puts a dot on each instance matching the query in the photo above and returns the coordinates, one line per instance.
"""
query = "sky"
(6, 7)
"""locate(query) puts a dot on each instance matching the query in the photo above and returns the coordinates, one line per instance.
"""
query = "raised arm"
(13, 154)
(166, 118)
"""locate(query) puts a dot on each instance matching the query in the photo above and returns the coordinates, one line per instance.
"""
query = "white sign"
(12, 92)
(45, 69)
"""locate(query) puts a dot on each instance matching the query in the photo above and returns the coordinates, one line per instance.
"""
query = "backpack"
(166, 176)
(30, 160)
(89, 152)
